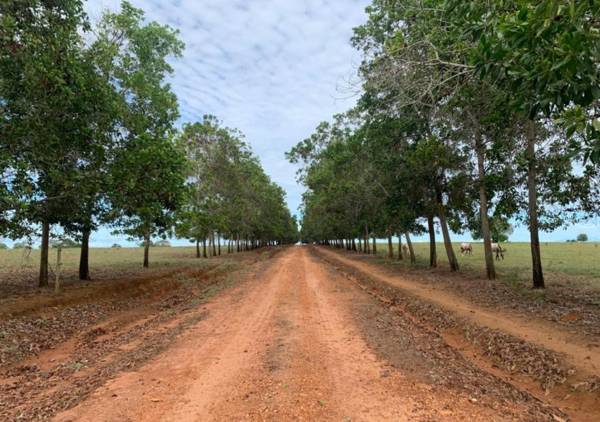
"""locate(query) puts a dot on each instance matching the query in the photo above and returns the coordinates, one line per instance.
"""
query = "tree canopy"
(474, 116)
(89, 136)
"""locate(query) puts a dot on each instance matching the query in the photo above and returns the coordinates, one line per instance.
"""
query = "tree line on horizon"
(88, 138)
(473, 115)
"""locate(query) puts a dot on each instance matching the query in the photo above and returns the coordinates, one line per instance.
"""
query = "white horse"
(466, 248)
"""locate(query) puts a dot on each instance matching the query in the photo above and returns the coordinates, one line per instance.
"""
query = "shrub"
(65, 243)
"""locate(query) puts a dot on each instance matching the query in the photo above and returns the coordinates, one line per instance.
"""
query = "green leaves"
(51, 102)
(148, 172)
(546, 53)
(228, 191)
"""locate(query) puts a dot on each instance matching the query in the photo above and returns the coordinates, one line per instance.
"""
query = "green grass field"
(578, 259)
(102, 257)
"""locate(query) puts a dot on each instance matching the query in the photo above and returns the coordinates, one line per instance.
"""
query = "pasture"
(118, 258)
(573, 259)
(19, 273)
(577, 259)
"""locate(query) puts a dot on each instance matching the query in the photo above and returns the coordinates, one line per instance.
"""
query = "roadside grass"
(14, 259)
(18, 274)
(579, 261)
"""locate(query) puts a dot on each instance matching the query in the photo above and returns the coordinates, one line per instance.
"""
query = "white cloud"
(271, 68)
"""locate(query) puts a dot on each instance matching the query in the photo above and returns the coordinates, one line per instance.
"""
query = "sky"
(273, 69)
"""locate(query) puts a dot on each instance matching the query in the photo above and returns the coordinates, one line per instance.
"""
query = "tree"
(51, 101)
(546, 55)
(343, 195)
(64, 243)
(207, 147)
(500, 230)
(460, 64)
(228, 194)
(147, 174)
(582, 237)
(412, 67)
(93, 205)
(148, 180)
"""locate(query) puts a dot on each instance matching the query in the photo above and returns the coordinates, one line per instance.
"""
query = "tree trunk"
(432, 246)
(84, 258)
(146, 251)
(400, 254)
(446, 234)
(390, 247)
(367, 246)
(353, 244)
(219, 243)
(413, 258)
(204, 255)
(536, 256)
(374, 246)
(43, 280)
(483, 206)
(197, 248)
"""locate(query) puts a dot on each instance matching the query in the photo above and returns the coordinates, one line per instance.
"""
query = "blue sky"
(273, 69)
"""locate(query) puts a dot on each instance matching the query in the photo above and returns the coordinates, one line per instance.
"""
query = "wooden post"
(58, 268)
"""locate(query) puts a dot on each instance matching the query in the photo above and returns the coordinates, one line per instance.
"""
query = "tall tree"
(147, 175)
(49, 95)
(546, 55)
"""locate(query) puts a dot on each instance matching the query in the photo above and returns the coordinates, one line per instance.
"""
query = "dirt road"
(574, 347)
(301, 341)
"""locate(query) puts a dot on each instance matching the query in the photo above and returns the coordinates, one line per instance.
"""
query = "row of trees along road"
(474, 114)
(88, 138)
(229, 195)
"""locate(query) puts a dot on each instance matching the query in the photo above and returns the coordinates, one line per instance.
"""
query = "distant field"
(579, 259)
(575, 259)
(101, 257)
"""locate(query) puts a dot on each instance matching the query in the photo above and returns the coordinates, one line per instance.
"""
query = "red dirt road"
(542, 333)
(303, 342)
